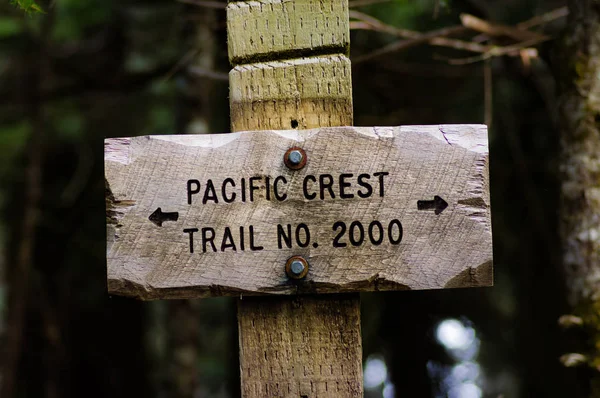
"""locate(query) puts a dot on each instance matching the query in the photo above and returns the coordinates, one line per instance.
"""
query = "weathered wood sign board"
(374, 208)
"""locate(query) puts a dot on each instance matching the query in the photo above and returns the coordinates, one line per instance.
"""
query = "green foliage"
(13, 138)
(76, 17)
(407, 14)
(160, 120)
(150, 47)
(67, 121)
(29, 6)
(10, 27)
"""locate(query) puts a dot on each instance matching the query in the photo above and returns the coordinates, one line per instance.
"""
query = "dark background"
(86, 70)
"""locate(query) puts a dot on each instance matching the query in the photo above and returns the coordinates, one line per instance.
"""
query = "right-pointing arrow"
(438, 204)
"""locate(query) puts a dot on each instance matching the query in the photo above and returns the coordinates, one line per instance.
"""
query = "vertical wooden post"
(291, 70)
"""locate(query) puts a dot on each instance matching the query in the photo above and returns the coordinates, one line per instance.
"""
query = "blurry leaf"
(10, 27)
(445, 4)
(151, 47)
(402, 13)
(161, 120)
(67, 120)
(13, 138)
(71, 125)
(74, 18)
(29, 6)
(137, 62)
(35, 7)
(164, 87)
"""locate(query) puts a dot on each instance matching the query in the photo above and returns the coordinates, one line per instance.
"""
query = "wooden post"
(291, 70)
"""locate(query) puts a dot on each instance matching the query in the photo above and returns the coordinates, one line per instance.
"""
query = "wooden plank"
(416, 164)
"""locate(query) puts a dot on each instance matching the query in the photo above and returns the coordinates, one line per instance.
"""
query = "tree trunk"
(579, 88)
(20, 277)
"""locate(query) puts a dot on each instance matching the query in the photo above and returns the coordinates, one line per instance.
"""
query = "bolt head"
(297, 267)
(295, 157)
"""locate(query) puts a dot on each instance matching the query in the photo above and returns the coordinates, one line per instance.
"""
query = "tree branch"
(533, 22)
(434, 38)
(513, 50)
(494, 29)
(201, 72)
(383, 27)
(544, 18)
(437, 37)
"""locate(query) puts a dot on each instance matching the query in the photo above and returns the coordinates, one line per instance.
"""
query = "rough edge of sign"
(472, 137)
(480, 276)
(118, 149)
(475, 141)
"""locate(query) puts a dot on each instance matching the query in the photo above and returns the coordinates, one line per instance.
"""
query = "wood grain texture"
(450, 249)
(301, 347)
(280, 29)
(297, 93)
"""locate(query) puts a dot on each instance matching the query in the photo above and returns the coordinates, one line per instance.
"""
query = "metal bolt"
(296, 267)
(295, 158)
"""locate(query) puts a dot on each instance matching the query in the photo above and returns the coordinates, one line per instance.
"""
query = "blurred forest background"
(85, 70)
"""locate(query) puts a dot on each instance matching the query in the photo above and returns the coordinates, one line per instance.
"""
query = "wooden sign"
(371, 208)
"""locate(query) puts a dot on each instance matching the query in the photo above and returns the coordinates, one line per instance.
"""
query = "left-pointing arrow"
(158, 217)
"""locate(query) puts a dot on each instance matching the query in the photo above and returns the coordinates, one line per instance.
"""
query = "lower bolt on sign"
(327, 210)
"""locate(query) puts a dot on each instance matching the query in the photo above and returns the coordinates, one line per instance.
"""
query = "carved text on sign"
(323, 186)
